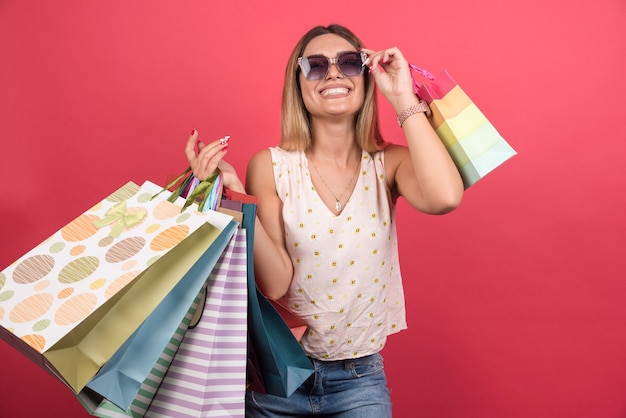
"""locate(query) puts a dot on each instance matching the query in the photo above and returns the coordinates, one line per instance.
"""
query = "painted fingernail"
(224, 140)
(225, 148)
(193, 131)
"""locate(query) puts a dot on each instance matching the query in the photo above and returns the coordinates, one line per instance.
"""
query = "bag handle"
(421, 71)
(208, 191)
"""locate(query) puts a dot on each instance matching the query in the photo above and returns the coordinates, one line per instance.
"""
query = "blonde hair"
(296, 126)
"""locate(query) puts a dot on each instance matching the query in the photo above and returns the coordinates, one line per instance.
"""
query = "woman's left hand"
(392, 74)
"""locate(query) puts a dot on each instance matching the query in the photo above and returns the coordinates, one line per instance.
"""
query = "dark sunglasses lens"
(350, 64)
(317, 67)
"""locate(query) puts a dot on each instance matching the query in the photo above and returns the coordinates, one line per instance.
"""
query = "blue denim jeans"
(354, 388)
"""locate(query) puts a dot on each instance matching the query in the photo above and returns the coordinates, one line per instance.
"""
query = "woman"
(325, 240)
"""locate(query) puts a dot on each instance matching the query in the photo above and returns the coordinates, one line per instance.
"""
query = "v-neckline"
(314, 189)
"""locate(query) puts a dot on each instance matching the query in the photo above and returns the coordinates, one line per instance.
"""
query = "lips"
(335, 91)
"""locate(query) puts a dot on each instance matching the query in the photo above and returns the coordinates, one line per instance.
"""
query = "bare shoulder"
(260, 175)
(261, 159)
(395, 155)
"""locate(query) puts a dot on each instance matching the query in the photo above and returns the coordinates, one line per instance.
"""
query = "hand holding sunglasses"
(391, 72)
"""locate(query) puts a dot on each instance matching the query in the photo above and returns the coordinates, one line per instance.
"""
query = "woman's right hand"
(391, 71)
(208, 158)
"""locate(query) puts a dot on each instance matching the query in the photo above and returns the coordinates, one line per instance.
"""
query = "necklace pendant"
(338, 206)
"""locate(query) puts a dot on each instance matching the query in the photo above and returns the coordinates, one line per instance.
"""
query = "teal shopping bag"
(276, 358)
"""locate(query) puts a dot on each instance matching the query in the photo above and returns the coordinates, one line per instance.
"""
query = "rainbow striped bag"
(474, 144)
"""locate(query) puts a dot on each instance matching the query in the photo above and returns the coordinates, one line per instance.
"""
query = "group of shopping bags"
(145, 305)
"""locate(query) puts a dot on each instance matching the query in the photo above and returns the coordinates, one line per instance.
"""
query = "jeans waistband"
(344, 362)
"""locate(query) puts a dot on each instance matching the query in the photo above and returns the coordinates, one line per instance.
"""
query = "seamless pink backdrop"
(515, 301)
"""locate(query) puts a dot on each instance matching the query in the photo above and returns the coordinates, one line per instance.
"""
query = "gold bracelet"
(421, 107)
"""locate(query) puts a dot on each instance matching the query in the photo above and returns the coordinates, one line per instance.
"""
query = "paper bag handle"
(424, 73)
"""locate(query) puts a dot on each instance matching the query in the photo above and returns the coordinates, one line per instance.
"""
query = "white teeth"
(338, 90)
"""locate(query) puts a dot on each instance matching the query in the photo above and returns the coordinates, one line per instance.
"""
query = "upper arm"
(272, 264)
(260, 183)
(401, 176)
(423, 188)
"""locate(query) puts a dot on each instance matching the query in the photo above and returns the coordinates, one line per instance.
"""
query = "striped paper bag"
(207, 377)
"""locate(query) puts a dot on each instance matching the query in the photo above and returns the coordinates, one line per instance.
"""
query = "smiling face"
(335, 94)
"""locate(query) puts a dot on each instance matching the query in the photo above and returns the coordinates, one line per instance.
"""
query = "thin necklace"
(337, 199)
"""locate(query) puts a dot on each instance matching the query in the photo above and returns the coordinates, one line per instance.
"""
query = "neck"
(335, 142)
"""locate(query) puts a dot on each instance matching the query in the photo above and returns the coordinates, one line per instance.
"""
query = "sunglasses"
(316, 67)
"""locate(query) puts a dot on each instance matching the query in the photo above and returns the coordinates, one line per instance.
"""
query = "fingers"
(205, 162)
(391, 72)
(213, 148)
(190, 147)
(385, 58)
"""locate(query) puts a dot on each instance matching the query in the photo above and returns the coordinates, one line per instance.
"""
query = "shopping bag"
(232, 204)
(98, 406)
(72, 301)
(117, 384)
(472, 141)
(277, 363)
(198, 353)
(296, 325)
(120, 378)
(207, 377)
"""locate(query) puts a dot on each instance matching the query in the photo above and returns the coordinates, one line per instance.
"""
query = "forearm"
(437, 177)
(428, 179)
(272, 266)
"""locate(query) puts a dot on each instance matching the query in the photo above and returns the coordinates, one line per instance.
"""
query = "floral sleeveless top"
(347, 285)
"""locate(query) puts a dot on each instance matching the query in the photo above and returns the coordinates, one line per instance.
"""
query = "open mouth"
(335, 91)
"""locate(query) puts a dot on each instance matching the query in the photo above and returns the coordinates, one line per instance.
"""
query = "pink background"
(515, 301)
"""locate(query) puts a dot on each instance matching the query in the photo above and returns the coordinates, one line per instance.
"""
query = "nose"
(333, 69)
